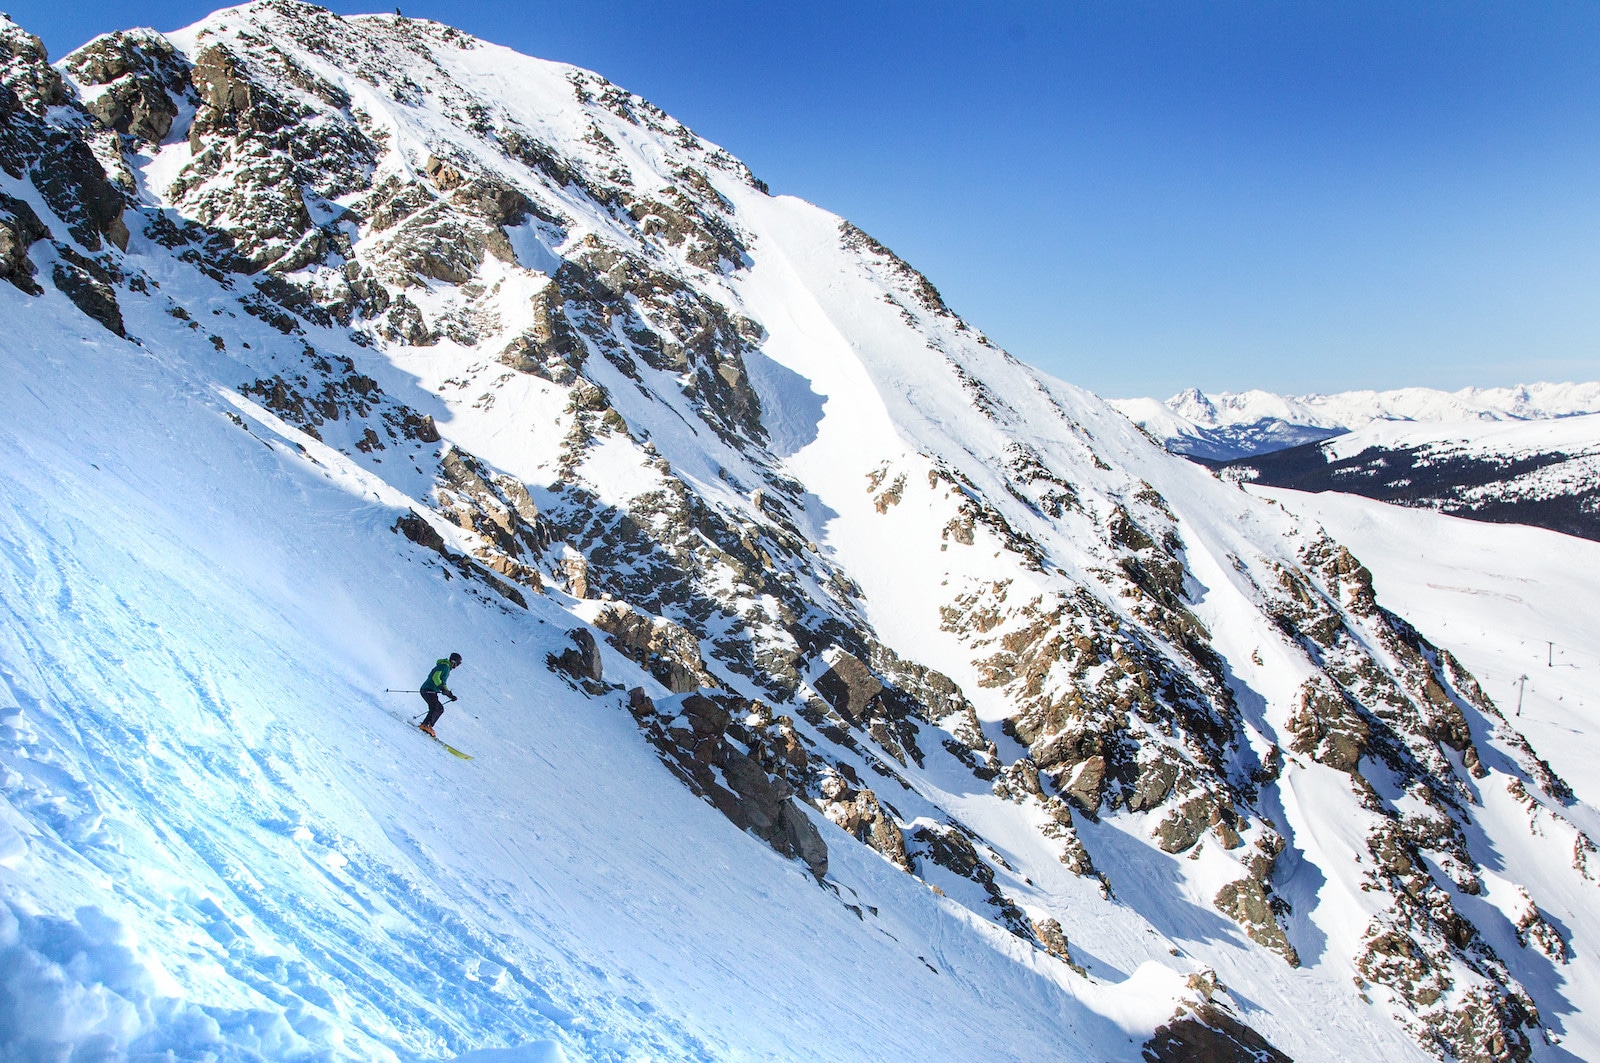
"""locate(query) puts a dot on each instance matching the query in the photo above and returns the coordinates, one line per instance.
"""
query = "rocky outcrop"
(699, 736)
(20, 229)
(548, 346)
(1329, 728)
(849, 686)
(54, 156)
(858, 812)
(132, 82)
(864, 701)
(88, 285)
(950, 846)
(581, 661)
(498, 509)
(1208, 1033)
(667, 651)
(1246, 902)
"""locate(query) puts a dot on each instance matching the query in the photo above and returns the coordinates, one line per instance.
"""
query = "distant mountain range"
(1522, 455)
(1223, 426)
(1543, 473)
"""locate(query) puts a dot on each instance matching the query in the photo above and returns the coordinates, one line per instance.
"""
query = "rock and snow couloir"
(842, 687)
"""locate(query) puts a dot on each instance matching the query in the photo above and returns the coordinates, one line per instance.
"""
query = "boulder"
(581, 660)
(848, 685)
(859, 813)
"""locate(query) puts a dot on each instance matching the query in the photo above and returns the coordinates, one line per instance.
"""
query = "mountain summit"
(839, 686)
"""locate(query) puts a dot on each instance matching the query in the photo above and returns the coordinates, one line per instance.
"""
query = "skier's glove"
(452, 697)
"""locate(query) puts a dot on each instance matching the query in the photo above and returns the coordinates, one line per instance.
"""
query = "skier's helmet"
(455, 660)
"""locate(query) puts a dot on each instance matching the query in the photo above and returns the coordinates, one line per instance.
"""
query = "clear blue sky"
(1141, 196)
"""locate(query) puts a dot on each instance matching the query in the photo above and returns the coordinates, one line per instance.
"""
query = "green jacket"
(439, 677)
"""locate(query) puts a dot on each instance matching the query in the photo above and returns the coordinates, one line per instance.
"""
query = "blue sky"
(1142, 196)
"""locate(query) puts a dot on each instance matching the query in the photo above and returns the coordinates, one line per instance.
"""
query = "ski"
(450, 748)
(411, 722)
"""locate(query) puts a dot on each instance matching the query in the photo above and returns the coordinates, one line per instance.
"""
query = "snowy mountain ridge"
(839, 686)
(1223, 426)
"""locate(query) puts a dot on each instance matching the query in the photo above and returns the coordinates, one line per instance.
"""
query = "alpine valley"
(838, 686)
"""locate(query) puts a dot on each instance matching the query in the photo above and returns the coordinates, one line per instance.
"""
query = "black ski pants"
(435, 708)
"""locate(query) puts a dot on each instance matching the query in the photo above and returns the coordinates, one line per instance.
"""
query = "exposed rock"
(414, 527)
(548, 347)
(1329, 729)
(669, 652)
(859, 813)
(1054, 940)
(86, 285)
(75, 186)
(1085, 783)
(908, 279)
(1186, 823)
(1207, 1033)
(1534, 931)
(139, 74)
(950, 847)
(576, 568)
(499, 510)
(1246, 903)
(1157, 777)
(32, 81)
(230, 100)
(20, 228)
(1113, 684)
(848, 685)
(693, 735)
(581, 660)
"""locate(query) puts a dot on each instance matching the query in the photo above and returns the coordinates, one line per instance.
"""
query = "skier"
(438, 683)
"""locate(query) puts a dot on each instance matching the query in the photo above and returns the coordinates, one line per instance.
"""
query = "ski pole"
(392, 690)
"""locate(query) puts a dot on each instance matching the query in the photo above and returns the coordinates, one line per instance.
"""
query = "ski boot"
(427, 730)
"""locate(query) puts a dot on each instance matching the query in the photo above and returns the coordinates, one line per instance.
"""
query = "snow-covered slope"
(1226, 425)
(1542, 473)
(1509, 601)
(839, 687)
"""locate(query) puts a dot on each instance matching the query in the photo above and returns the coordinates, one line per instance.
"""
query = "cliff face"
(853, 563)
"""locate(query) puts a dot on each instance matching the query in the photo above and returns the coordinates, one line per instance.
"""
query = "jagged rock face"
(700, 737)
(567, 337)
(141, 79)
(666, 650)
(59, 161)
